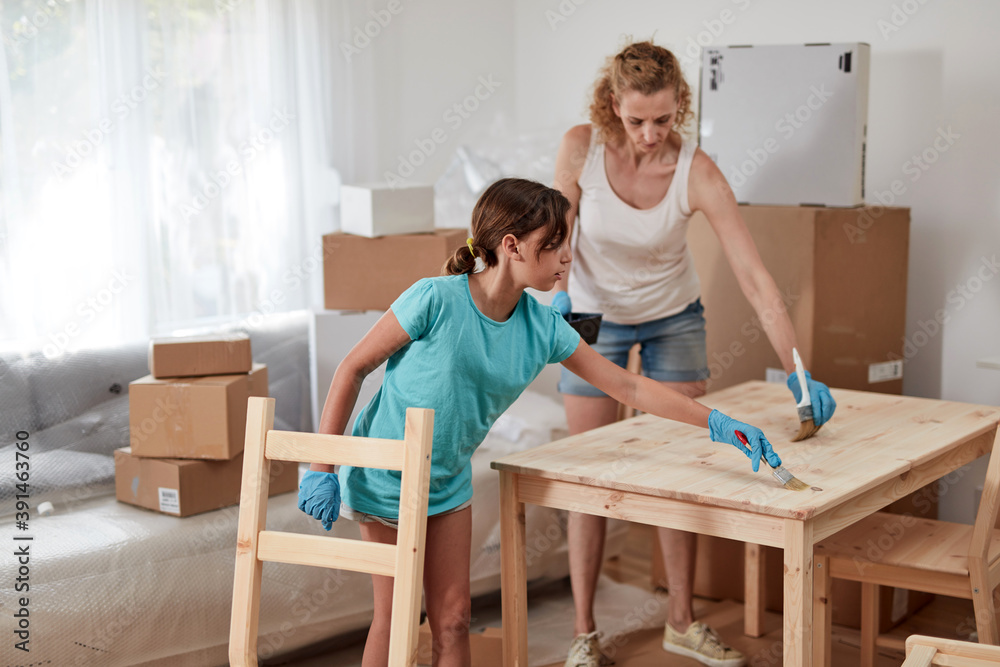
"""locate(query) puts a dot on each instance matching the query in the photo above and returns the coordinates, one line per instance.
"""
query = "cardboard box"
(486, 646)
(183, 487)
(368, 274)
(841, 274)
(787, 124)
(199, 355)
(381, 210)
(192, 418)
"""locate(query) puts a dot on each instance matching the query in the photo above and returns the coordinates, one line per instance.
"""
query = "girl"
(635, 182)
(467, 344)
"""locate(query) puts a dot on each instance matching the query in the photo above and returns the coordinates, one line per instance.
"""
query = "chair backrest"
(922, 651)
(254, 544)
(989, 508)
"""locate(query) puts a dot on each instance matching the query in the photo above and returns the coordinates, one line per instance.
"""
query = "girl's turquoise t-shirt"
(465, 366)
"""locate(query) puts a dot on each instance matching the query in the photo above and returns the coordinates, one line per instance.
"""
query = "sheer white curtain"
(168, 164)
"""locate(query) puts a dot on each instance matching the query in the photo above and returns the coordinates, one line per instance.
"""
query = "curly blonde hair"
(643, 67)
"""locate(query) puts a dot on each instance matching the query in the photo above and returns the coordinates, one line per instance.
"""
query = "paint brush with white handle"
(807, 426)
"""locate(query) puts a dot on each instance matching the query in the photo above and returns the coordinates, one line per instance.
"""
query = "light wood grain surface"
(873, 439)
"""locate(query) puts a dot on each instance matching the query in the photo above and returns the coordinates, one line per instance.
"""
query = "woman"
(635, 181)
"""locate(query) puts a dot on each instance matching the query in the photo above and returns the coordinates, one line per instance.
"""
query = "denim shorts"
(363, 517)
(672, 350)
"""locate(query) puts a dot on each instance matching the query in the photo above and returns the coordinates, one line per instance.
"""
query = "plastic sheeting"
(113, 584)
(476, 164)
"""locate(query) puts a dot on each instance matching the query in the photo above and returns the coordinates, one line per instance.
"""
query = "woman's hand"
(822, 401)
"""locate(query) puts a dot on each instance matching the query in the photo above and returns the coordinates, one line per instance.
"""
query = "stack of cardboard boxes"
(387, 242)
(187, 422)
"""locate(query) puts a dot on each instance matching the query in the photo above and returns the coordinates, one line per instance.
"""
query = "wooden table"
(877, 449)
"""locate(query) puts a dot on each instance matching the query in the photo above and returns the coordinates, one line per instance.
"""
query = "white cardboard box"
(787, 124)
(381, 210)
(332, 334)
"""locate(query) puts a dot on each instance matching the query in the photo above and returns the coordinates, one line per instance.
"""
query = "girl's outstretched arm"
(634, 390)
(381, 341)
(657, 399)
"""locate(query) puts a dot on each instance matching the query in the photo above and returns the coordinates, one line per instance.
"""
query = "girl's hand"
(319, 496)
(723, 429)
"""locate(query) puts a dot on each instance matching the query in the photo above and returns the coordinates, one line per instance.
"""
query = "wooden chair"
(254, 545)
(924, 651)
(939, 557)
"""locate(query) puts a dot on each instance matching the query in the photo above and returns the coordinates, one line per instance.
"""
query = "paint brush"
(787, 479)
(807, 427)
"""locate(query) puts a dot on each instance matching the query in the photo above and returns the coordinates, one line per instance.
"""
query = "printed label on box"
(170, 501)
(776, 375)
(885, 371)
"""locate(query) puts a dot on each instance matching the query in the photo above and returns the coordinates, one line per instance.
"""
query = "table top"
(871, 439)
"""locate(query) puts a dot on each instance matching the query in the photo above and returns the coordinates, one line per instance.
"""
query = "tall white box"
(332, 334)
(380, 210)
(787, 124)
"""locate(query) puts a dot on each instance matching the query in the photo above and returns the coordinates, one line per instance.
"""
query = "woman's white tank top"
(632, 265)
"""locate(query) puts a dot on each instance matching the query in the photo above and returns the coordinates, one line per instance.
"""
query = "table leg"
(753, 590)
(822, 613)
(513, 574)
(798, 650)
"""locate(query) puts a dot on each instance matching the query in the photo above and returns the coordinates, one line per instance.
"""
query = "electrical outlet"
(775, 375)
(977, 496)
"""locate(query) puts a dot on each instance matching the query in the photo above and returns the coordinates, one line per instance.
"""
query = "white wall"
(429, 58)
(939, 69)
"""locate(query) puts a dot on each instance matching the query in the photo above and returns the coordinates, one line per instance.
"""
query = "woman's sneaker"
(585, 651)
(701, 643)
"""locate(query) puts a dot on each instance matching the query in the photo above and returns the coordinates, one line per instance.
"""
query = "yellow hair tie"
(480, 265)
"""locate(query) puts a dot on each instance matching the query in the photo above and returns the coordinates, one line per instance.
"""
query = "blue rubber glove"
(822, 401)
(319, 496)
(723, 429)
(561, 302)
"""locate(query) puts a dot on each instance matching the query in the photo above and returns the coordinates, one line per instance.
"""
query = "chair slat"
(332, 552)
(920, 656)
(335, 450)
